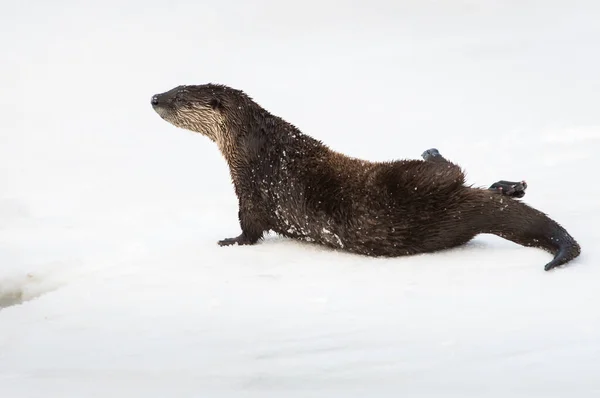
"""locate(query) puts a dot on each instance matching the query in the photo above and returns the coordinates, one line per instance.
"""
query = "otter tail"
(524, 225)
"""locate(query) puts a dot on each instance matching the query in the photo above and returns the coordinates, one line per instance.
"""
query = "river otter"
(294, 185)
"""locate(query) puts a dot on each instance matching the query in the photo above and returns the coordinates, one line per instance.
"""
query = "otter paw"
(509, 188)
(430, 154)
(433, 155)
(238, 240)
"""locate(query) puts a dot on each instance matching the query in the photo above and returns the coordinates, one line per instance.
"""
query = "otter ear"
(215, 103)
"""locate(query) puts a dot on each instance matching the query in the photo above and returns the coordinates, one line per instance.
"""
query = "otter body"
(296, 186)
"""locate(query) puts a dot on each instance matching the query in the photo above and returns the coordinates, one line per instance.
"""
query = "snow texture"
(111, 281)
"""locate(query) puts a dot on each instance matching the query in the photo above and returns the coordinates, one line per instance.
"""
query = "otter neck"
(226, 141)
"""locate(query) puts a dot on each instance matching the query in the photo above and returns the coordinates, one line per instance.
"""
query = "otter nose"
(154, 100)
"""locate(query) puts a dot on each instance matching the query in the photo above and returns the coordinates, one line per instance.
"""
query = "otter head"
(195, 108)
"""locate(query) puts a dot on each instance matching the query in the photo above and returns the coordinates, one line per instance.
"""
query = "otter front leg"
(252, 229)
(507, 188)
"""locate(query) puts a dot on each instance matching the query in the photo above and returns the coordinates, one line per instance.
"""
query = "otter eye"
(178, 99)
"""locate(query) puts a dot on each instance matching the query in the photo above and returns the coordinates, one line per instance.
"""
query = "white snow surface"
(111, 281)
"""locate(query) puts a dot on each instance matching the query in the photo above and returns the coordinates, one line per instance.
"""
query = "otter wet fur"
(294, 185)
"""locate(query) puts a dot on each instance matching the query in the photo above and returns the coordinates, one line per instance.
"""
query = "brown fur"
(294, 185)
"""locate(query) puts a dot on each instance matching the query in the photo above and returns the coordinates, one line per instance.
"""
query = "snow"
(111, 281)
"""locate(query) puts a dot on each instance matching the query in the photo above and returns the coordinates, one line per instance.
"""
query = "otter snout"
(160, 104)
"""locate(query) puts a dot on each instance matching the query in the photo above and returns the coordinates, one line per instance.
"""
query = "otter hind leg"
(503, 187)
